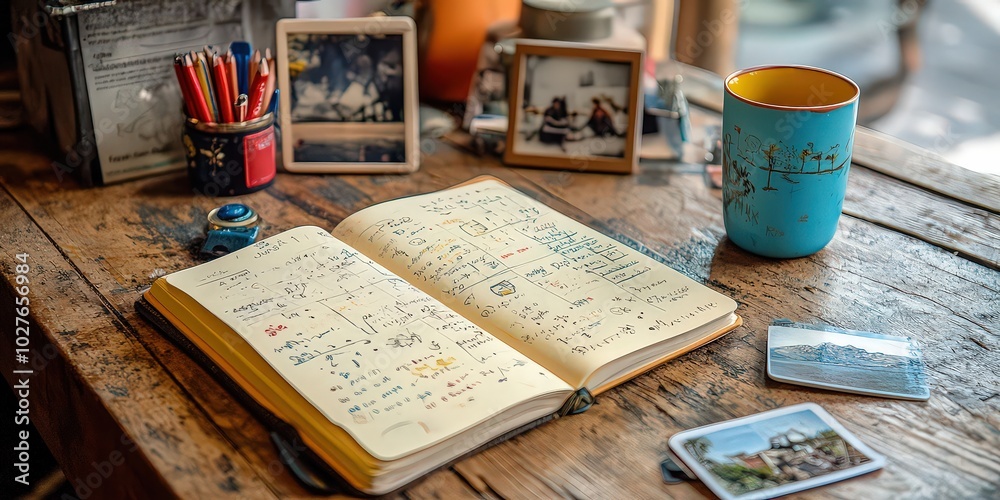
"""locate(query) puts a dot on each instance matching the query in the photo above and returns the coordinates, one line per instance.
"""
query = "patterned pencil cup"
(787, 138)
(228, 159)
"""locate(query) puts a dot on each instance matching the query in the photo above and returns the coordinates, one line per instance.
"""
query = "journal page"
(569, 296)
(378, 357)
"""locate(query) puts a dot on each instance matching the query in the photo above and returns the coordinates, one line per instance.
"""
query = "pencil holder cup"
(787, 135)
(228, 159)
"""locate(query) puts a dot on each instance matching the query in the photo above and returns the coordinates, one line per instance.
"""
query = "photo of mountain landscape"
(857, 362)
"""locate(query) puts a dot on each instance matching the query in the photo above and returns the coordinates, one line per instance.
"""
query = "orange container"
(455, 31)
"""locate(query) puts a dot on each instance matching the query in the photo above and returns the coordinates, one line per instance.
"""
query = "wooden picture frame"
(345, 107)
(585, 78)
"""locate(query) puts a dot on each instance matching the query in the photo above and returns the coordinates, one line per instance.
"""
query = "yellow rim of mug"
(816, 109)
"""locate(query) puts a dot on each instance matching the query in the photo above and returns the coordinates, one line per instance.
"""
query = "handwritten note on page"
(569, 296)
(383, 360)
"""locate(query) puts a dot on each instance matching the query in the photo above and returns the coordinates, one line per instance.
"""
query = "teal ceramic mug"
(786, 151)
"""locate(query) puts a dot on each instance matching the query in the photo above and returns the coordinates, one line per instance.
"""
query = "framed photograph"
(348, 95)
(773, 453)
(574, 106)
(847, 361)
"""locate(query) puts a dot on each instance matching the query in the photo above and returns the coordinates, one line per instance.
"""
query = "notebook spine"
(579, 402)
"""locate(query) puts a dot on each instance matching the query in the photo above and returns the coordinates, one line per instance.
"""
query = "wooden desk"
(109, 389)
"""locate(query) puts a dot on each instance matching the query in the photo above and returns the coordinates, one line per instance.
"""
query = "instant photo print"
(574, 106)
(847, 361)
(774, 453)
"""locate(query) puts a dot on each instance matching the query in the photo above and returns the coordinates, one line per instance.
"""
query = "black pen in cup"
(241, 107)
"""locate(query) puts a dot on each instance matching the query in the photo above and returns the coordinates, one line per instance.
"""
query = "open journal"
(425, 327)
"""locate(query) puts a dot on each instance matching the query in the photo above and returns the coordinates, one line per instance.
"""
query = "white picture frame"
(343, 107)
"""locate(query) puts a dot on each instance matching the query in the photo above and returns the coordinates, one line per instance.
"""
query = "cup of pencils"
(231, 103)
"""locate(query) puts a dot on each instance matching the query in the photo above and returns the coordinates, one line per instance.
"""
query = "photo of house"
(769, 453)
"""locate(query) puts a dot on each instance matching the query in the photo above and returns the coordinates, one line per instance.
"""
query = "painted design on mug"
(739, 191)
(742, 154)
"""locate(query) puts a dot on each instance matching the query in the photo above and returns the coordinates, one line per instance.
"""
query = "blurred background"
(938, 86)
(925, 67)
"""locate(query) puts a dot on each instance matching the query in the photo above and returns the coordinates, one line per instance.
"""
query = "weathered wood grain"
(904, 161)
(136, 232)
(971, 231)
(444, 484)
(119, 238)
(159, 237)
(86, 362)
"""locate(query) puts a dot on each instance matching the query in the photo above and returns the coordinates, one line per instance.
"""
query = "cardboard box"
(97, 76)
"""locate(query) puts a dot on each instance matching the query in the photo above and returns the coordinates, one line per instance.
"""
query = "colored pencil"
(269, 89)
(185, 91)
(205, 80)
(254, 61)
(225, 88)
(206, 63)
(234, 79)
(242, 52)
(201, 107)
(255, 106)
(222, 88)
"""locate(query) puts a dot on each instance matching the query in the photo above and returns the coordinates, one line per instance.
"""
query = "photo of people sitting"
(581, 115)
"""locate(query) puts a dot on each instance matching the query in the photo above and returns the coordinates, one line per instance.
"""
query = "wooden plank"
(121, 252)
(868, 278)
(920, 167)
(443, 484)
(100, 400)
(971, 231)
